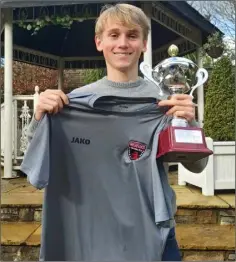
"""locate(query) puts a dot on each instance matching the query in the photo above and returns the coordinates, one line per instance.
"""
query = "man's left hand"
(181, 105)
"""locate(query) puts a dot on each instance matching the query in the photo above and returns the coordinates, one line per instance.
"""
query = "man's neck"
(122, 77)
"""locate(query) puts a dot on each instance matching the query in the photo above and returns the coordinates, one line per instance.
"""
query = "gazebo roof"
(182, 7)
(192, 16)
(78, 42)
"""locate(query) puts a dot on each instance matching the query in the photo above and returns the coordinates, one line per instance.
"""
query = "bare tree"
(219, 13)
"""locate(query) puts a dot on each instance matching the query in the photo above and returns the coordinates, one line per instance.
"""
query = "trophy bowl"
(175, 75)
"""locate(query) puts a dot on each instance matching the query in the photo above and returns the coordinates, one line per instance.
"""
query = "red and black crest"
(136, 149)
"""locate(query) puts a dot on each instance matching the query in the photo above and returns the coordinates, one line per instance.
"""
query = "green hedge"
(219, 116)
(92, 75)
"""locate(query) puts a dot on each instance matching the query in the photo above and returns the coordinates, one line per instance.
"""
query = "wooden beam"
(178, 25)
(31, 56)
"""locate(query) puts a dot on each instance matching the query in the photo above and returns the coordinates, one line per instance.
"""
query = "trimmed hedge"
(92, 75)
(219, 116)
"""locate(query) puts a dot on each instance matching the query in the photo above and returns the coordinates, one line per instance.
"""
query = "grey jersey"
(139, 88)
(106, 196)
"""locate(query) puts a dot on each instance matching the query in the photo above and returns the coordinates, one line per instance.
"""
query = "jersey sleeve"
(36, 162)
(31, 129)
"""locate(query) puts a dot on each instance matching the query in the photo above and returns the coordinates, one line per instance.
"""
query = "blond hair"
(127, 14)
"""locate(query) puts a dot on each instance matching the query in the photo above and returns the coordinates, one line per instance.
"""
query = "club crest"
(136, 149)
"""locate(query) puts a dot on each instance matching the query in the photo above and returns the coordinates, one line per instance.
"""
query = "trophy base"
(182, 144)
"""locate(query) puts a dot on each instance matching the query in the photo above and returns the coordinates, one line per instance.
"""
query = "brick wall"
(74, 78)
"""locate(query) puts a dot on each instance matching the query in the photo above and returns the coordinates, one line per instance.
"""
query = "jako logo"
(79, 140)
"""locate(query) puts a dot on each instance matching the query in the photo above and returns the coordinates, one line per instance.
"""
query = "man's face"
(121, 46)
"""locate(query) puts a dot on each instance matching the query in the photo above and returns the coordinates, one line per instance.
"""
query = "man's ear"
(98, 42)
(144, 46)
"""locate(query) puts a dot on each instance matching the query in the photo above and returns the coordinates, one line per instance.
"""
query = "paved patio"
(197, 215)
(19, 192)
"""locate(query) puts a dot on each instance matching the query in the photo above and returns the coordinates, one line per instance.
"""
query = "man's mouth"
(124, 53)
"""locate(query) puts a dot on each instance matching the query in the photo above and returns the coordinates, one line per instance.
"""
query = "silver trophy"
(175, 75)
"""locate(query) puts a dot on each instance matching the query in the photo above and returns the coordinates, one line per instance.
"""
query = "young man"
(121, 34)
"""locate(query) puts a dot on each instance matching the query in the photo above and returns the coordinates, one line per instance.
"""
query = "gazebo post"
(147, 57)
(8, 68)
(2, 20)
(61, 66)
(200, 93)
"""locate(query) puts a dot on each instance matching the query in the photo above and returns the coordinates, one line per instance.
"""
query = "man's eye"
(133, 36)
(113, 35)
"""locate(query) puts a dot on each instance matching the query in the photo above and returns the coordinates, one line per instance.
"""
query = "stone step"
(21, 241)
(22, 205)
(198, 215)
(22, 202)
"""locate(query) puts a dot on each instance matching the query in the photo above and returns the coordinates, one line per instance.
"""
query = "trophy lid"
(173, 51)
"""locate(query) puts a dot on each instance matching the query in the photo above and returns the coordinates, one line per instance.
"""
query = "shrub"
(92, 75)
(219, 116)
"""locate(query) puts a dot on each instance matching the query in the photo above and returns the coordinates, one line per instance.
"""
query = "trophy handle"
(147, 72)
(202, 76)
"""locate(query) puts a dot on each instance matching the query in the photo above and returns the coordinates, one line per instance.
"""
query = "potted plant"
(214, 46)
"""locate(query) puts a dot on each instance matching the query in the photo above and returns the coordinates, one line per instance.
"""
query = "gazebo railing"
(23, 107)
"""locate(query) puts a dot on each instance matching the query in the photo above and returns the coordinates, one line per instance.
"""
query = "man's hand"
(50, 101)
(181, 105)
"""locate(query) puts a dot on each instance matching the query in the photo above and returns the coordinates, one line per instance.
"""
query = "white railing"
(23, 109)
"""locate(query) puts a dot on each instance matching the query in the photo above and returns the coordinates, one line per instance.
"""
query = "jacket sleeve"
(36, 162)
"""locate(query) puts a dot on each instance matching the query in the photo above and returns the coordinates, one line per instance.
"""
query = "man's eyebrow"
(113, 30)
(134, 31)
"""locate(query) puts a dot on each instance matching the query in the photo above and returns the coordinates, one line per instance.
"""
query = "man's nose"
(123, 41)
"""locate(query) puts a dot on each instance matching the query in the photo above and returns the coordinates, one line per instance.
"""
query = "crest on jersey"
(136, 149)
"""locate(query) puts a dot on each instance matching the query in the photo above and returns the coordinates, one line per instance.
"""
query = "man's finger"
(179, 108)
(176, 103)
(181, 97)
(55, 98)
(62, 95)
(65, 99)
(47, 107)
(187, 115)
(51, 102)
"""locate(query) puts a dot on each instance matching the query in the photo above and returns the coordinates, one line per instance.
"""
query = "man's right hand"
(50, 101)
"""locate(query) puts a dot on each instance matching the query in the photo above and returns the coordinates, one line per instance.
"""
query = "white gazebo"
(60, 48)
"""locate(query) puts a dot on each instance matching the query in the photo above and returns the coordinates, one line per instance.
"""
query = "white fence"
(219, 173)
(23, 107)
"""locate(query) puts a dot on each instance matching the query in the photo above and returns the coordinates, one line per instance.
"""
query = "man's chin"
(123, 67)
